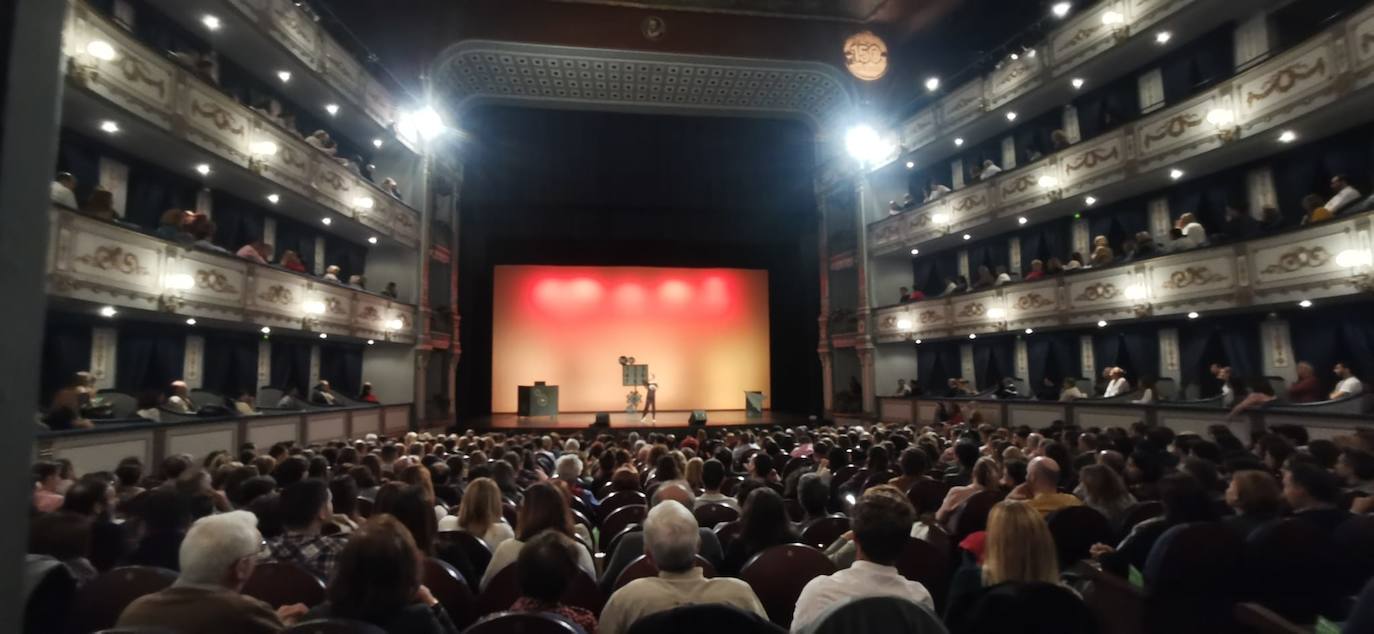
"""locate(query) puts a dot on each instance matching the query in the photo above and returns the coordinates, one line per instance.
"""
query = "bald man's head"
(1043, 474)
(676, 490)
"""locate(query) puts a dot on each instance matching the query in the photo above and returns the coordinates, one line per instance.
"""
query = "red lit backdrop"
(702, 332)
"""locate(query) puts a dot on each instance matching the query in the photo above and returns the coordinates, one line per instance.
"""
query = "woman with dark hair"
(545, 568)
(165, 515)
(409, 505)
(1144, 468)
(763, 523)
(377, 579)
(343, 491)
(1068, 478)
(1103, 490)
(95, 499)
(544, 508)
(1185, 501)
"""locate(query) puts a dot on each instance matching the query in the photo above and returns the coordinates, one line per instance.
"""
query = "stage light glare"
(332, 109)
(1351, 258)
(424, 124)
(865, 145)
(1061, 9)
(933, 84)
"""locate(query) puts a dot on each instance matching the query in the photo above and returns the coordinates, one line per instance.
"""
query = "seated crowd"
(78, 404)
(1187, 234)
(196, 230)
(932, 528)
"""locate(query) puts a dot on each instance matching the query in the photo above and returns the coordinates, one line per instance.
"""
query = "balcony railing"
(100, 262)
(1329, 68)
(1329, 259)
(151, 87)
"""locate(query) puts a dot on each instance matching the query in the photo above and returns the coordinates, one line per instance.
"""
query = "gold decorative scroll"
(1284, 79)
(113, 258)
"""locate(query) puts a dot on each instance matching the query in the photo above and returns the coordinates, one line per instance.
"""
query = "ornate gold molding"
(1193, 276)
(1299, 258)
(1099, 291)
(223, 119)
(214, 281)
(277, 294)
(1285, 79)
(113, 258)
(1032, 301)
(1092, 159)
(1173, 128)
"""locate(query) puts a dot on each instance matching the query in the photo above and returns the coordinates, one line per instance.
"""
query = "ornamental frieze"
(1193, 276)
(113, 258)
(277, 294)
(214, 281)
(1032, 301)
(223, 119)
(972, 310)
(1298, 259)
(1097, 292)
(1173, 128)
(1285, 79)
(1092, 159)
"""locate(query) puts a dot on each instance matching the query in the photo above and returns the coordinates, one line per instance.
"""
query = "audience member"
(1308, 388)
(1116, 383)
(1103, 490)
(1184, 501)
(881, 522)
(366, 395)
(378, 581)
(1314, 495)
(180, 400)
(986, 476)
(63, 190)
(545, 568)
(292, 262)
(1347, 384)
(173, 224)
(1194, 235)
(1256, 499)
(256, 251)
(1042, 481)
(763, 523)
(100, 205)
(331, 273)
(323, 394)
(672, 539)
(1017, 548)
(631, 545)
(1343, 194)
(1260, 393)
(305, 508)
(1037, 271)
(989, 170)
(544, 508)
(1355, 467)
(217, 557)
(1315, 210)
(712, 477)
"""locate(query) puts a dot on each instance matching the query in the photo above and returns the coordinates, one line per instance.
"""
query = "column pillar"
(966, 366)
(1276, 349)
(1169, 365)
(1087, 363)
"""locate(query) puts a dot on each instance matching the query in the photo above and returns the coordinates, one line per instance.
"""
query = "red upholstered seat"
(927, 496)
(618, 520)
(709, 515)
(99, 603)
(925, 562)
(643, 567)
(504, 589)
(778, 575)
(280, 583)
(618, 499)
(824, 531)
(1118, 605)
(973, 517)
(727, 532)
(524, 623)
(1075, 530)
(451, 590)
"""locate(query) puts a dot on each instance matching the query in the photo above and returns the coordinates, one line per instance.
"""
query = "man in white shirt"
(1194, 234)
(990, 169)
(712, 476)
(180, 400)
(64, 190)
(1223, 374)
(881, 523)
(935, 191)
(1345, 194)
(1116, 383)
(671, 540)
(1346, 383)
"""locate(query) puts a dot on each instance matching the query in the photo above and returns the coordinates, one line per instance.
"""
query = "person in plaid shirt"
(306, 506)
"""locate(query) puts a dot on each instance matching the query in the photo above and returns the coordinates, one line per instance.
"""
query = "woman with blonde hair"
(1017, 548)
(987, 475)
(480, 514)
(692, 474)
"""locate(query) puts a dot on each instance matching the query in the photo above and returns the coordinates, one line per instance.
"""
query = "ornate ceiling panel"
(849, 10)
(477, 72)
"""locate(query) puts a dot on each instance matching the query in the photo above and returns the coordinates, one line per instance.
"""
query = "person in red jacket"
(1308, 388)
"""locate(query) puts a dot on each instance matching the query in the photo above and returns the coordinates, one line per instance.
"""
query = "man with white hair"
(671, 540)
(217, 556)
(631, 545)
(568, 468)
(180, 400)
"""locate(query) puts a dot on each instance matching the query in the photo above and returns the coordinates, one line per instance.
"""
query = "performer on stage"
(651, 389)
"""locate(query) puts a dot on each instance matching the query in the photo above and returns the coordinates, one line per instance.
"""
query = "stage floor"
(622, 420)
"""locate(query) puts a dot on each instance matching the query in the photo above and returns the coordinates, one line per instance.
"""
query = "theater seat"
(504, 589)
(1075, 530)
(727, 532)
(1118, 605)
(1027, 608)
(707, 617)
(973, 517)
(876, 615)
(824, 531)
(334, 626)
(279, 583)
(1287, 570)
(524, 623)
(618, 499)
(778, 575)
(451, 590)
(709, 515)
(925, 562)
(643, 567)
(927, 495)
(1261, 620)
(99, 603)
(1192, 577)
(473, 548)
(1357, 404)
(1140, 512)
(618, 520)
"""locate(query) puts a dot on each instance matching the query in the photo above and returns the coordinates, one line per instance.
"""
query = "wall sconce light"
(260, 151)
(997, 314)
(85, 68)
(364, 204)
(1139, 297)
(1224, 120)
(1116, 22)
(903, 324)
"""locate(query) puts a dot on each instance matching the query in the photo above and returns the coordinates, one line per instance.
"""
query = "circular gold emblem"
(865, 55)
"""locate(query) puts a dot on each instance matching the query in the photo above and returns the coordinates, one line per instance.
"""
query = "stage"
(675, 420)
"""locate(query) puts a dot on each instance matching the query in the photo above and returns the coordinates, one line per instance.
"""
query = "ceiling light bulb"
(377, 143)
(967, 237)
(933, 84)
(101, 50)
(1163, 37)
(865, 144)
(1076, 82)
(327, 221)
(1193, 315)
(109, 127)
(911, 164)
(1030, 331)
(284, 75)
(1113, 18)
(190, 321)
(332, 109)
(1288, 136)
(266, 330)
(203, 169)
(1061, 9)
(973, 335)
(108, 311)
(370, 342)
(1175, 173)
(1102, 324)
(211, 22)
(1090, 201)
(1011, 116)
(958, 142)
(1022, 220)
(324, 335)
(372, 240)
(1306, 303)
(915, 251)
(423, 124)
(273, 198)
(1015, 57)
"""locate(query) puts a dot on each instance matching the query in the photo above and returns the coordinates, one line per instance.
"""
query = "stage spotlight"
(866, 145)
(933, 84)
(424, 124)
(1061, 9)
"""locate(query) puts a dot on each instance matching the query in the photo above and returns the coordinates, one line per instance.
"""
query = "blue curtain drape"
(148, 358)
(351, 258)
(342, 366)
(1225, 341)
(1207, 197)
(1108, 107)
(66, 351)
(291, 365)
(1308, 169)
(1199, 64)
(1135, 350)
(294, 236)
(77, 155)
(237, 222)
(993, 360)
(1033, 136)
(1045, 241)
(990, 253)
(153, 190)
(936, 363)
(930, 272)
(1342, 335)
(1051, 355)
(1119, 222)
(231, 364)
